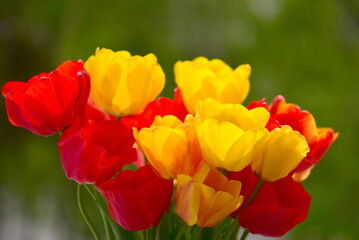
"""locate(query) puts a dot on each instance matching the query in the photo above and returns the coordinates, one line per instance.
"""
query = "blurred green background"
(307, 51)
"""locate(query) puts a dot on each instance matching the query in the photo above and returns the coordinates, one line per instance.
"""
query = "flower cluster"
(225, 164)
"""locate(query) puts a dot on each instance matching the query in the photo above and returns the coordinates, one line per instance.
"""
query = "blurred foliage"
(307, 51)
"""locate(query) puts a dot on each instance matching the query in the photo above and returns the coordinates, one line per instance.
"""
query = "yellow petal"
(221, 205)
(167, 121)
(234, 113)
(216, 139)
(280, 154)
(207, 198)
(242, 151)
(122, 84)
(202, 78)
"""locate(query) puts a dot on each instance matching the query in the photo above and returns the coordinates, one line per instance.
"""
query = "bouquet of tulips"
(198, 166)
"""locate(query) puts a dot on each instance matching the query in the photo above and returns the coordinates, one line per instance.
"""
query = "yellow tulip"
(234, 113)
(226, 145)
(122, 84)
(171, 148)
(281, 152)
(202, 78)
(206, 198)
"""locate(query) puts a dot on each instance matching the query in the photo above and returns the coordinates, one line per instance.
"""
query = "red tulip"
(160, 107)
(97, 151)
(48, 102)
(138, 199)
(277, 207)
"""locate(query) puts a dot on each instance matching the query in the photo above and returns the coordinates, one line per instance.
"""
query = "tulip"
(48, 102)
(234, 113)
(277, 208)
(123, 84)
(171, 146)
(226, 145)
(202, 78)
(319, 139)
(280, 153)
(137, 200)
(207, 197)
(97, 151)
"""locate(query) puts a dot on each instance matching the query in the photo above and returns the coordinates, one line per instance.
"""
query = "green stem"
(244, 235)
(254, 193)
(181, 231)
(105, 217)
(84, 214)
(108, 230)
(235, 226)
(141, 235)
(250, 199)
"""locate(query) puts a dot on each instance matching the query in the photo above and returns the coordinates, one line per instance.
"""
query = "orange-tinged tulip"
(170, 146)
(234, 113)
(226, 145)
(280, 153)
(122, 84)
(202, 78)
(206, 198)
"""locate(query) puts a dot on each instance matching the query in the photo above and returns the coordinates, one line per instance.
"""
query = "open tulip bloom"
(198, 166)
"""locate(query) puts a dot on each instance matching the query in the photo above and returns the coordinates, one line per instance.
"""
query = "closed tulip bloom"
(207, 197)
(226, 145)
(280, 153)
(234, 113)
(277, 207)
(97, 151)
(137, 200)
(123, 84)
(171, 146)
(48, 102)
(202, 78)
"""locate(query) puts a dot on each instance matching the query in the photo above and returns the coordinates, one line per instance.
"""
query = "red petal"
(48, 102)
(138, 199)
(260, 103)
(160, 107)
(97, 151)
(276, 209)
